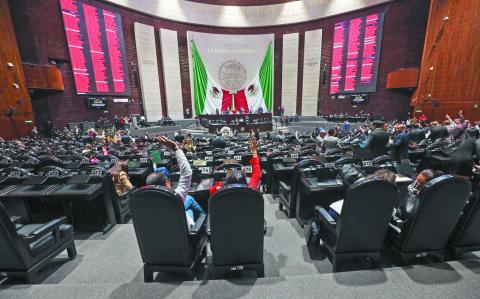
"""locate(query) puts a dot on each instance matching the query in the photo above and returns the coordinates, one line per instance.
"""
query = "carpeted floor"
(110, 266)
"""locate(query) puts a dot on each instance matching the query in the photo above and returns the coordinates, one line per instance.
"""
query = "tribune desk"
(239, 122)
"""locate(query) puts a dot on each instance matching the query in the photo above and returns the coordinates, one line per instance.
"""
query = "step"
(443, 280)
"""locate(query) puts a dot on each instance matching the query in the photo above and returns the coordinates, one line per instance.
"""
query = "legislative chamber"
(239, 149)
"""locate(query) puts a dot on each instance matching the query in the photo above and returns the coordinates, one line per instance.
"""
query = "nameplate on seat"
(236, 268)
(96, 172)
(209, 158)
(209, 152)
(248, 168)
(295, 156)
(143, 160)
(205, 170)
(14, 174)
(114, 160)
(231, 152)
(367, 163)
(238, 158)
(53, 173)
(350, 153)
(85, 161)
(329, 165)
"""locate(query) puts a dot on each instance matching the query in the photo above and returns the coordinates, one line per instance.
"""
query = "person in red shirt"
(238, 175)
(422, 119)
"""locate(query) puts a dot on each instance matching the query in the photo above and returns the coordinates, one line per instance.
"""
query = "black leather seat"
(360, 229)
(120, 202)
(26, 249)
(288, 190)
(437, 212)
(466, 235)
(237, 229)
(166, 244)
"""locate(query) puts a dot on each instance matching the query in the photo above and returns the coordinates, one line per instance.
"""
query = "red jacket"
(254, 178)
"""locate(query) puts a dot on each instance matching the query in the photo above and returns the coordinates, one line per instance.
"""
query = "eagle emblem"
(252, 90)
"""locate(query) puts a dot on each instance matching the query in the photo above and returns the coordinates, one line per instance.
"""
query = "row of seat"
(442, 227)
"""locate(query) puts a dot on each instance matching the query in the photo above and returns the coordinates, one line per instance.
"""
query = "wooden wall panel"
(449, 74)
(13, 89)
(404, 78)
(43, 77)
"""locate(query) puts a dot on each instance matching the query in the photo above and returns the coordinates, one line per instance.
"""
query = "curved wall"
(41, 36)
(245, 16)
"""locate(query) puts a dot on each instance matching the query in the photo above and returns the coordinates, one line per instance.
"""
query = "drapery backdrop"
(231, 71)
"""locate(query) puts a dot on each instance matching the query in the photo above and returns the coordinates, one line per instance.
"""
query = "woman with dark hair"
(119, 174)
(237, 176)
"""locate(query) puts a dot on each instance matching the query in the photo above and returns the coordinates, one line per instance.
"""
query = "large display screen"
(96, 47)
(356, 54)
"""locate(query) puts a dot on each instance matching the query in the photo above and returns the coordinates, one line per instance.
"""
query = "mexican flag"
(259, 92)
(209, 96)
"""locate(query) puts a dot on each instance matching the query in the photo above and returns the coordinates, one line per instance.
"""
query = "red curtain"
(241, 101)
(226, 100)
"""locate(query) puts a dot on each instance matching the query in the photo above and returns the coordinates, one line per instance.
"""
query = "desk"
(86, 207)
(313, 193)
(281, 172)
(246, 122)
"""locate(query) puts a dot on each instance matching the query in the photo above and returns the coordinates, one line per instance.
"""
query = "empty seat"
(288, 190)
(26, 249)
(466, 235)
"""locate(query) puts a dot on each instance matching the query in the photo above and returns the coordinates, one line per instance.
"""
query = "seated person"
(192, 208)
(237, 176)
(88, 149)
(335, 208)
(219, 141)
(280, 137)
(226, 132)
(408, 205)
(330, 142)
(188, 143)
(120, 179)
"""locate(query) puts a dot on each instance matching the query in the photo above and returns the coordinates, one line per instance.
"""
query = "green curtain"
(200, 80)
(266, 78)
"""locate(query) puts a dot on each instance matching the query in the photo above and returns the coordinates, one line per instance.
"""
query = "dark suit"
(461, 161)
(438, 132)
(400, 146)
(378, 141)
(417, 135)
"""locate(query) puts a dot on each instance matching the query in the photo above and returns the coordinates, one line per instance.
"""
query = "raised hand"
(253, 144)
(167, 142)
